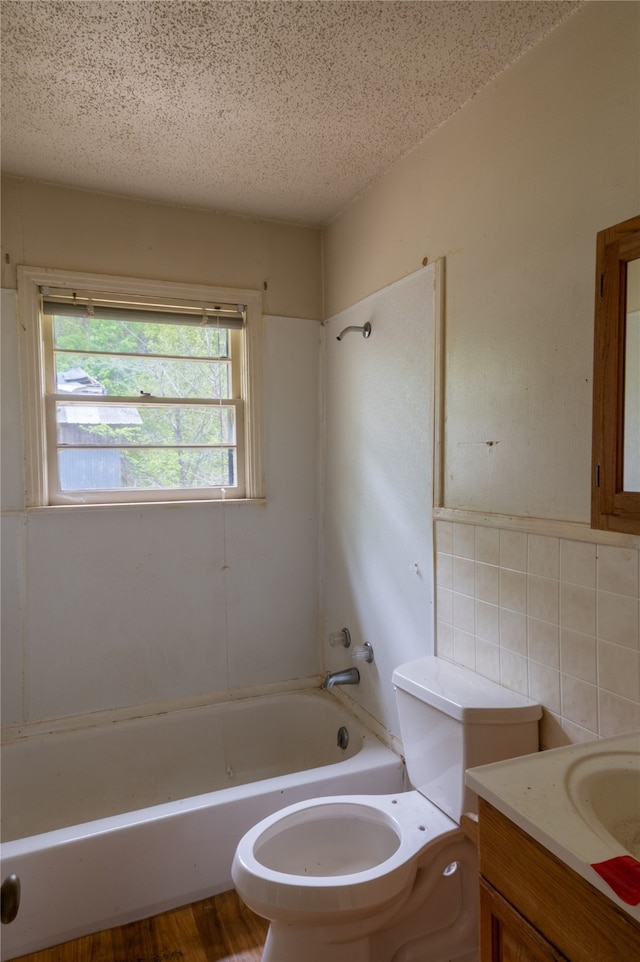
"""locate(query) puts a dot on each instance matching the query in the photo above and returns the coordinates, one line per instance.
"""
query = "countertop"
(544, 795)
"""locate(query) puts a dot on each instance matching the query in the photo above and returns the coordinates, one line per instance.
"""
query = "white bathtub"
(114, 823)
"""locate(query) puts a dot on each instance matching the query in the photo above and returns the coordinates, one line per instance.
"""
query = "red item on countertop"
(622, 873)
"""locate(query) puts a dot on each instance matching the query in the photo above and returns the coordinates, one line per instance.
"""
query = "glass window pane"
(170, 425)
(139, 337)
(130, 376)
(153, 468)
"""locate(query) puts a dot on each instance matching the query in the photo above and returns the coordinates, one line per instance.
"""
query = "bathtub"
(119, 821)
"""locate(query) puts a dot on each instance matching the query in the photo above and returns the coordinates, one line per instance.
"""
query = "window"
(139, 391)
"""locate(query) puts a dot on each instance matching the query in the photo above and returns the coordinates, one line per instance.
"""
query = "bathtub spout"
(350, 676)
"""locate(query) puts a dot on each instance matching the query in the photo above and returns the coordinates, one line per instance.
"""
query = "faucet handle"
(363, 652)
(340, 639)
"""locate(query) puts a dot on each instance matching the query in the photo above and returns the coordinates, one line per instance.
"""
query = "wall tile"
(488, 660)
(544, 642)
(487, 545)
(444, 570)
(580, 702)
(488, 622)
(513, 590)
(463, 612)
(487, 583)
(553, 618)
(444, 605)
(544, 556)
(618, 619)
(513, 631)
(463, 540)
(578, 563)
(619, 670)
(578, 608)
(617, 715)
(444, 536)
(513, 550)
(464, 576)
(544, 686)
(464, 648)
(578, 655)
(445, 640)
(543, 598)
(618, 570)
(514, 671)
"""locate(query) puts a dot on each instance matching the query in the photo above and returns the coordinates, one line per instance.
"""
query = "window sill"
(140, 505)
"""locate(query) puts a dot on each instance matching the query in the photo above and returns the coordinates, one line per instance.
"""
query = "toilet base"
(437, 919)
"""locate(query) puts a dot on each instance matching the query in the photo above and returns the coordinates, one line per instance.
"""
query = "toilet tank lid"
(463, 694)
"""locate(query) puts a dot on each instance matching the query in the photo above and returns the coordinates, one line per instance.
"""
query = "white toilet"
(389, 878)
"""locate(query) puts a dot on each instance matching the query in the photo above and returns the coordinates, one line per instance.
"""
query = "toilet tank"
(452, 719)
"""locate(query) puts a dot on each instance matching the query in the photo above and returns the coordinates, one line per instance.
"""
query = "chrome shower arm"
(365, 329)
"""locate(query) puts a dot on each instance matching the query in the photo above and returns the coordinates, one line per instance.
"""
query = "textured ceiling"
(282, 110)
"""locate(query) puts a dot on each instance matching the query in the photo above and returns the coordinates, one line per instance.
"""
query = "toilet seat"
(348, 854)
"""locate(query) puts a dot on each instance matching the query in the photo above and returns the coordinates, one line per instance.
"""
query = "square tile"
(464, 612)
(444, 536)
(578, 655)
(514, 672)
(464, 649)
(578, 563)
(544, 686)
(488, 660)
(513, 631)
(464, 576)
(617, 715)
(580, 702)
(487, 545)
(513, 590)
(487, 583)
(513, 550)
(618, 619)
(619, 670)
(488, 622)
(544, 556)
(543, 598)
(544, 642)
(618, 570)
(444, 570)
(578, 608)
(463, 540)
(444, 640)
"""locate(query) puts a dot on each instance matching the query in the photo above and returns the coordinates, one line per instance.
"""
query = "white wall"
(131, 608)
(378, 551)
(511, 192)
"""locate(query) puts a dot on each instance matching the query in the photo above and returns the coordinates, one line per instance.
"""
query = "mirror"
(631, 450)
(615, 501)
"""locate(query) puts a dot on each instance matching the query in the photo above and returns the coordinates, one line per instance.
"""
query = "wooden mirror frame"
(612, 508)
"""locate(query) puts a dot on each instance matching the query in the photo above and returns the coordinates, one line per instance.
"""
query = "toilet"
(389, 878)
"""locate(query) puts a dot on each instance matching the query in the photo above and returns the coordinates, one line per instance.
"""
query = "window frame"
(39, 490)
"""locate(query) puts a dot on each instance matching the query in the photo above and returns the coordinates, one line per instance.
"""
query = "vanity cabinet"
(534, 908)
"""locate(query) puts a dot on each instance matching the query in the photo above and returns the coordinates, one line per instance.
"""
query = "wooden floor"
(219, 929)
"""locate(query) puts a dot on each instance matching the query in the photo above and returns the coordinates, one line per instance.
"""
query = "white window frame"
(39, 492)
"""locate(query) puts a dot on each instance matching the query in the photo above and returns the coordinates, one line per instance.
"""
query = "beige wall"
(511, 192)
(47, 226)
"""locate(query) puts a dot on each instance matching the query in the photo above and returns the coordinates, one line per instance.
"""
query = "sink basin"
(604, 788)
(580, 802)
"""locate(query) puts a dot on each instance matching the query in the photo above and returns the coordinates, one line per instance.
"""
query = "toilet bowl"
(334, 874)
(389, 878)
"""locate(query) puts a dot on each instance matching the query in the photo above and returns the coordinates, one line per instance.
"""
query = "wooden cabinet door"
(506, 936)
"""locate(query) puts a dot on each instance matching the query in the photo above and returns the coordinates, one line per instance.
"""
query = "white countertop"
(539, 794)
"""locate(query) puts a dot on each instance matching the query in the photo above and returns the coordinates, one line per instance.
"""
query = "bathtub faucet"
(350, 676)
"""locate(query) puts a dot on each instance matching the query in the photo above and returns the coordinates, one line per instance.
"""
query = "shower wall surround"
(554, 618)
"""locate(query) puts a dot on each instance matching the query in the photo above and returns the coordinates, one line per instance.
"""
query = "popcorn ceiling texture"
(282, 110)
